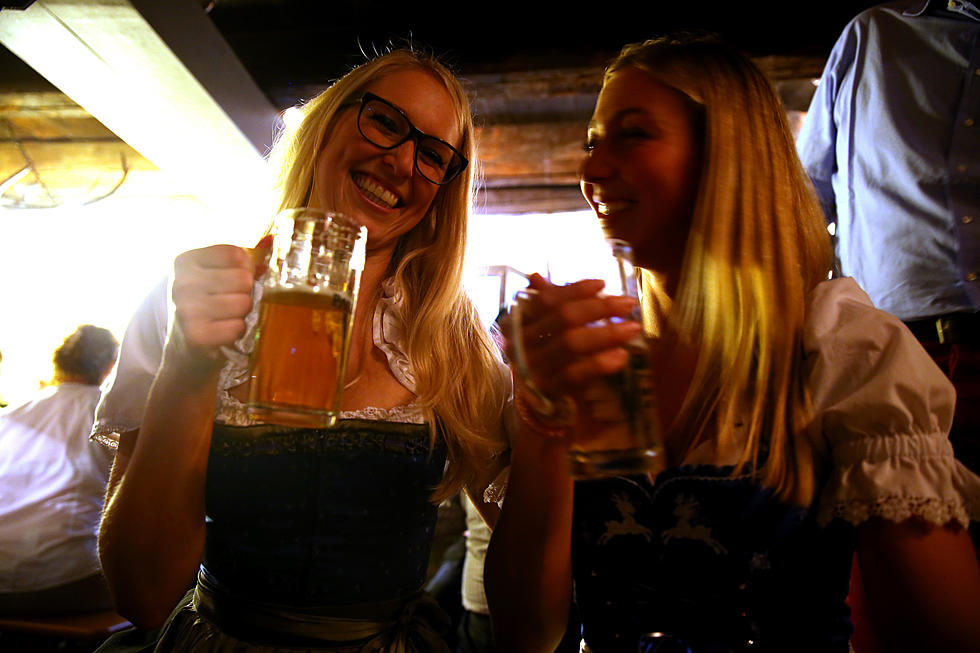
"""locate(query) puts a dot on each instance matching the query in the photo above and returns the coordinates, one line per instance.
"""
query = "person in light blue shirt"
(891, 142)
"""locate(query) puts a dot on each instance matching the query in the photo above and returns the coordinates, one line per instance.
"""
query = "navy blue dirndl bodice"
(713, 561)
(321, 517)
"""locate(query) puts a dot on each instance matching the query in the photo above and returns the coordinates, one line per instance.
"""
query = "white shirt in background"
(52, 487)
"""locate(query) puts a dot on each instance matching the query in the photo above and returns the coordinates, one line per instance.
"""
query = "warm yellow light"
(92, 264)
(566, 247)
(292, 117)
(107, 58)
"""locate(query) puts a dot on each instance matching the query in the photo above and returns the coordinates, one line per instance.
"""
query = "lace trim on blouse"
(109, 437)
(233, 412)
(897, 508)
(873, 477)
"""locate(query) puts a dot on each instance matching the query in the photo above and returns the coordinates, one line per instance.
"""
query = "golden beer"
(618, 430)
(300, 357)
(631, 442)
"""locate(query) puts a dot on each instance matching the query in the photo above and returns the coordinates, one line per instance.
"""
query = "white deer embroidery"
(687, 509)
(628, 525)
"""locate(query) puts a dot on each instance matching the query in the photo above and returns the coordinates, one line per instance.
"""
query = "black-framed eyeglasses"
(385, 126)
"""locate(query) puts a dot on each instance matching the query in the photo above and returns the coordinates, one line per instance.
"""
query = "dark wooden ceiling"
(533, 69)
(309, 41)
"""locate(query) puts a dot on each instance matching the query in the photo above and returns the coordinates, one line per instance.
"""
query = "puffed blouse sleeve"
(883, 410)
(120, 408)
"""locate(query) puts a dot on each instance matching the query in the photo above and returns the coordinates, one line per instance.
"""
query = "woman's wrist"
(193, 368)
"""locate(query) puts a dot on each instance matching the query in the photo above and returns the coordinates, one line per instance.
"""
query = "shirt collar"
(919, 9)
(968, 9)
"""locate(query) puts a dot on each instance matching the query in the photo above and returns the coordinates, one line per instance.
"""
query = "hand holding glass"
(629, 440)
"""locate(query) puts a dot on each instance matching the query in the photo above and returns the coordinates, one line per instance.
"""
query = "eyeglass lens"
(385, 126)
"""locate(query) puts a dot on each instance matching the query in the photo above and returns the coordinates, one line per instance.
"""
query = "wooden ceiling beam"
(530, 130)
(196, 114)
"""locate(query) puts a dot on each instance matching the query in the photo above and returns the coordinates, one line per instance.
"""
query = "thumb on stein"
(260, 255)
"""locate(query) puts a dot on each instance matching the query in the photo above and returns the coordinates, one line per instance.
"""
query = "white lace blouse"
(121, 407)
(883, 413)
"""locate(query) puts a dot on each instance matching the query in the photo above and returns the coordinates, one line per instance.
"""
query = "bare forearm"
(528, 568)
(922, 584)
(152, 534)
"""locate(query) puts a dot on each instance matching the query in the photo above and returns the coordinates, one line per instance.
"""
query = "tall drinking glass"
(302, 341)
(625, 433)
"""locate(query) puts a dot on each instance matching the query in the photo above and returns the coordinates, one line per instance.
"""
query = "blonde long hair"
(758, 245)
(456, 363)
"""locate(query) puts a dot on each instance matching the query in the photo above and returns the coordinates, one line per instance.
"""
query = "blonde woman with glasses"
(799, 422)
(313, 539)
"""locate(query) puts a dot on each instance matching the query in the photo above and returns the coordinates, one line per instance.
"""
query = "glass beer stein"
(302, 340)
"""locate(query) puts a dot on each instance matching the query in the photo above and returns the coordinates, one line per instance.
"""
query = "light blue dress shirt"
(892, 144)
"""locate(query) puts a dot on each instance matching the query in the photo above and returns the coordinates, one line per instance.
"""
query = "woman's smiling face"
(643, 167)
(382, 188)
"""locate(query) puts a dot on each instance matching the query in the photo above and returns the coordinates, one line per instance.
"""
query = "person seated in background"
(799, 422)
(52, 486)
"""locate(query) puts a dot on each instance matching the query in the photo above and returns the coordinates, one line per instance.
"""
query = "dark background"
(293, 42)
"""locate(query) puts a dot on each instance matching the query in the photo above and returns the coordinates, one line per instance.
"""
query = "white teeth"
(377, 192)
(606, 208)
